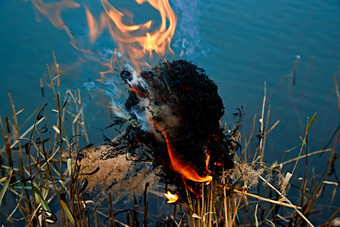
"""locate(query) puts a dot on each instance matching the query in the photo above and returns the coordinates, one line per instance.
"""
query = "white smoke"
(188, 38)
(111, 91)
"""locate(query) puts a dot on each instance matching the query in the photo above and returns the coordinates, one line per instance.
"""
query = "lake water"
(240, 43)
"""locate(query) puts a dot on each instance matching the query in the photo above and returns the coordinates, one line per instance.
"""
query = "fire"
(172, 198)
(135, 42)
(187, 172)
(53, 10)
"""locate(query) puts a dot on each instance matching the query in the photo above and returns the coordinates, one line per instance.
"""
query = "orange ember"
(172, 198)
(137, 92)
(187, 172)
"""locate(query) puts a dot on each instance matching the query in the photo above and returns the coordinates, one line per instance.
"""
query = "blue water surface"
(240, 43)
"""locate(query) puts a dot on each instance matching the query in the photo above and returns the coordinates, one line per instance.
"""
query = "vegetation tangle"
(48, 178)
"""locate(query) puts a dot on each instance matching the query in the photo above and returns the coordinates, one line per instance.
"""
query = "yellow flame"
(172, 198)
(135, 42)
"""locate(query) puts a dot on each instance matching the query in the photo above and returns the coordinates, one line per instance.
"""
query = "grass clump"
(37, 166)
(46, 177)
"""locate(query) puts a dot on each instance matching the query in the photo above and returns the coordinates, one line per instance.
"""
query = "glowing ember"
(179, 166)
(172, 198)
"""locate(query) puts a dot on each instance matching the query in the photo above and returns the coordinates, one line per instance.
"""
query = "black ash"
(179, 97)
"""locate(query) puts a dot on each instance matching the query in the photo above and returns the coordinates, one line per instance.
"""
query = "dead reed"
(37, 165)
(43, 175)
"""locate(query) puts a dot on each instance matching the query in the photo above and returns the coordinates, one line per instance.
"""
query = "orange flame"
(135, 47)
(172, 198)
(53, 10)
(179, 166)
(136, 42)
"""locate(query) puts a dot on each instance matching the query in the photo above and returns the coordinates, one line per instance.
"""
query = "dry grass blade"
(334, 190)
(67, 211)
(331, 218)
(7, 145)
(337, 91)
(244, 193)
(261, 121)
(5, 185)
(271, 128)
(286, 199)
(27, 131)
(302, 156)
(267, 200)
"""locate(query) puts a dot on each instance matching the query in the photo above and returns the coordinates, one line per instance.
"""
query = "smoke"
(109, 89)
(187, 38)
(106, 50)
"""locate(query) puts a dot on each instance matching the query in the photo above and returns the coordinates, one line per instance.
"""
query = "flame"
(53, 10)
(172, 198)
(135, 42)
(207, 161)
(179, 166)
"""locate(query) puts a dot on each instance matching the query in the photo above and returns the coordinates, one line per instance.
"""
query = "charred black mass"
(180, 98)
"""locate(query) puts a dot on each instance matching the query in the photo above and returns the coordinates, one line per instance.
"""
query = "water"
(239, 43)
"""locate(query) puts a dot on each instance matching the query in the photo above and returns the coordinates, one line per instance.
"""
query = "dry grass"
(36, 162)
(43, 174)
(122, 175)
(238, 198)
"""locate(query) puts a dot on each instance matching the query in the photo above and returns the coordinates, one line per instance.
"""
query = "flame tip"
(172, 198)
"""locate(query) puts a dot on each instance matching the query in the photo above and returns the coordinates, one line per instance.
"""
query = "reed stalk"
(48, 172)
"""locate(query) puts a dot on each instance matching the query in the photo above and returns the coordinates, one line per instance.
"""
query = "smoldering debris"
(176, 100)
